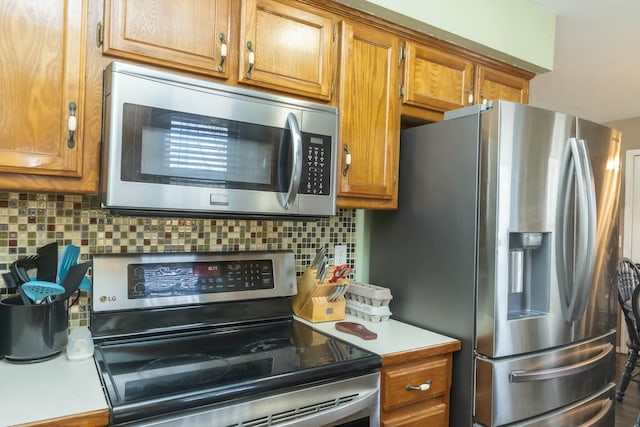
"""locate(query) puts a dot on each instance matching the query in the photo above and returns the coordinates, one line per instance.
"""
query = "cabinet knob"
(422, 387)
(347, 160)
(252, 58)
(469, 96)
(223, 51)
(72, 124)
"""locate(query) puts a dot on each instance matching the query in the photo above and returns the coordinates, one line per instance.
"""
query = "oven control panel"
(195, 278)
(149, 280)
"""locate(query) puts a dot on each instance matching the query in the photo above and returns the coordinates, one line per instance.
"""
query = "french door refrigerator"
(506, 237)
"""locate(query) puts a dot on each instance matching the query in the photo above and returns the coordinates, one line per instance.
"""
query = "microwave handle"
(296, 170)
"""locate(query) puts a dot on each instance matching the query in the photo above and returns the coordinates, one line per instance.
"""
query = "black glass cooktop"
(193, 369)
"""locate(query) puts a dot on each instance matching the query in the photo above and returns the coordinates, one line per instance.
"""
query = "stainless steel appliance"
(198, 339)
(506, 237)
(179, 145)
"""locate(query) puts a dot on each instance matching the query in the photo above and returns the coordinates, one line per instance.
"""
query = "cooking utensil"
(85, 284)
(316, 261)
(334, 294)
(48, 262)
(69, 258)
(73, 279)
(322, 270)
(10, 280)
(339, 272)
(340, 291)
(321, 266)
(356, 329)
(19, 268)
(23, 297)
(38, 290)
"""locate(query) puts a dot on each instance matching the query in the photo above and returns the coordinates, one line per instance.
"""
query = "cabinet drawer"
(432, 414)
(434, 374)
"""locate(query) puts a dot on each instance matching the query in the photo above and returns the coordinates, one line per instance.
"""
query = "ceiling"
(596, 62)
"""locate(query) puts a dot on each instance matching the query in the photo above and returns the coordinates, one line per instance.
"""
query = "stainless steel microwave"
(176, 145)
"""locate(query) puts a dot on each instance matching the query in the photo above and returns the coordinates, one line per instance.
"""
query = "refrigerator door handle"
(521, 376)
(603, 412)
(564, 251)
(587, 211)
(577, 213)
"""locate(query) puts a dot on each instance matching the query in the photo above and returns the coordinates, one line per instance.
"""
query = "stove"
(209, 339)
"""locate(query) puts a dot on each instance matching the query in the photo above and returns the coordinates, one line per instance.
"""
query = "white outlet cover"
(340, 254)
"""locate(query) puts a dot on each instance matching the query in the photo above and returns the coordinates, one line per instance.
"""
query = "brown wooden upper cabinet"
(279, 44)
(190, 35)
(42, 87)
(493, 85)
(369, 105)
(434, 79)
(288, 46)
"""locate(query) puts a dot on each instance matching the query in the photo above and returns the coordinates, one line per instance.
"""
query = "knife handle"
(356, 329)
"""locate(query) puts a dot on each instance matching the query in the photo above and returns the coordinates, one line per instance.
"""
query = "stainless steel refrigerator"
(506, 237)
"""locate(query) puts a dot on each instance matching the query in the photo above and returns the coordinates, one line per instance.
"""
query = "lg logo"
(104, 298)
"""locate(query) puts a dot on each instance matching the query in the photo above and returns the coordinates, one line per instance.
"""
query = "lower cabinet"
(98, 418)
(415, 389)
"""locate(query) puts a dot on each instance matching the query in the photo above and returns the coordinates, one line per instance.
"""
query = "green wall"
(519, 32)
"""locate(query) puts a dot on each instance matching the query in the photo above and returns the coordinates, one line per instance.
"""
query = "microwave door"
(290, 162)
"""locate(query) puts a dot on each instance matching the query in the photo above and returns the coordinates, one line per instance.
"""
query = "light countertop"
(393, 336)
(59, 388)
(51, 389)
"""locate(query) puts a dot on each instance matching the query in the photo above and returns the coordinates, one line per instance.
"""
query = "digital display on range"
(193, 278)
(207, 270)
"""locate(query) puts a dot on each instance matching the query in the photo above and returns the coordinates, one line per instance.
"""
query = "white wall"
(519, 32)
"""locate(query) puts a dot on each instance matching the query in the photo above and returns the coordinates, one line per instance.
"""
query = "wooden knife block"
(312, 300)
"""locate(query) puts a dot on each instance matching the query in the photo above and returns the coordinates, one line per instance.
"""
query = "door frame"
(629, 186)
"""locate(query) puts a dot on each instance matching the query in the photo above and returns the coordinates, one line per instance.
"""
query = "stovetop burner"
(267, 345)
(224, 364)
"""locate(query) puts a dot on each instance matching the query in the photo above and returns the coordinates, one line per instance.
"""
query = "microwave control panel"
(316, 161)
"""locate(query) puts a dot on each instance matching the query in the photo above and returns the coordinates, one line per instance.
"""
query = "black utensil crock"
(32, 333)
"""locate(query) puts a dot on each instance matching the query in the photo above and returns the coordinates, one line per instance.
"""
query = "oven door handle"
(364, 404)
(296, 169)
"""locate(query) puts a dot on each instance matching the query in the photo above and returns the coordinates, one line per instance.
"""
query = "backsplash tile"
(29, 221)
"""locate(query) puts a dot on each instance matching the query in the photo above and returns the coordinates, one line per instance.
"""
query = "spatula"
(73, 279)
(69, 258)
(38, 290)
(48, 262)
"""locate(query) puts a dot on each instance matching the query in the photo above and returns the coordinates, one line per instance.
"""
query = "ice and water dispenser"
(529, 259)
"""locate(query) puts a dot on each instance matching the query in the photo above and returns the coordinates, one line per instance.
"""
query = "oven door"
(179, 144)
(352, 402)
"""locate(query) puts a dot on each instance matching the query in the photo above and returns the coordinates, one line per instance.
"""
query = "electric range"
(209, 339)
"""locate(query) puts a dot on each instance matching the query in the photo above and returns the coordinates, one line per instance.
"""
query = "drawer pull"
(563, 371)
(422, 387)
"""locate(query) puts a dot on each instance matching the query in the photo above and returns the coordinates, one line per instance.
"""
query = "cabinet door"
(42, 56)
(190, 35)
(429, 414)
(369, 118)
(292, 48)
(435, 79)
(493, 85)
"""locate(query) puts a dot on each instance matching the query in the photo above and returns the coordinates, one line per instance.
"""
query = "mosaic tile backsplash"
(29, 221)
